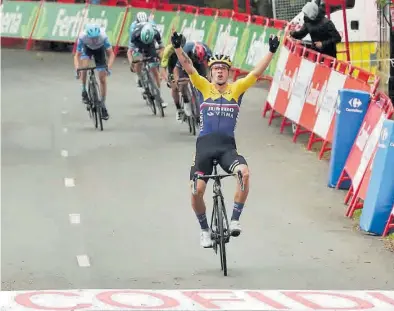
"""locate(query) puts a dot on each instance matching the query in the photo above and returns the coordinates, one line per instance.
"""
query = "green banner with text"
(245, 43)
(17, 18)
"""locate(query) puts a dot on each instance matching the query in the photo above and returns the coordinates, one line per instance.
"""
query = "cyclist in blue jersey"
(93, 42)
(219, 107)
(142, 43)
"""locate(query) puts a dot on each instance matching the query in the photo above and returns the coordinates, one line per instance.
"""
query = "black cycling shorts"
(215, 146)
(148, 50)
(99, 55)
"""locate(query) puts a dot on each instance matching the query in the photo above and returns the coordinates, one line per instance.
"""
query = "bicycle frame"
(95, 103)
(220, 235)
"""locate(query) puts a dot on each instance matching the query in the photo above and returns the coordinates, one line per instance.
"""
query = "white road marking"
(65, 129)
(83, 261)
(69, 182)
(64, 153)
(75, 219)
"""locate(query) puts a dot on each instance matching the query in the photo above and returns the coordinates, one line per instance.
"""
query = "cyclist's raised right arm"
(78, 53)
(185, 61)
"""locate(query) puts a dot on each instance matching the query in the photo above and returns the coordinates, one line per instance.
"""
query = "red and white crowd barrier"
(305, 88)
(304, 91)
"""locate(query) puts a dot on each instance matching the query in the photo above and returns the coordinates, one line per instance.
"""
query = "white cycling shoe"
(235, 228)
(178, 116)
(205, 238)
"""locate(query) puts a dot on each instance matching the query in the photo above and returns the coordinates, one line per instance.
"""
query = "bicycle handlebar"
(219, 176)
(90, 68)
(145, 59)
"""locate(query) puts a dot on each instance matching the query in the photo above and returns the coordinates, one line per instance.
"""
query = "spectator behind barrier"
(323, 33)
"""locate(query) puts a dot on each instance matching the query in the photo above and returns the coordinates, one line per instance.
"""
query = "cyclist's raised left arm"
(263, 64)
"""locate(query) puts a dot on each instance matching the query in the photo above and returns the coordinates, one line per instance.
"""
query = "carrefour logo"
(355, 103)
(384, 134)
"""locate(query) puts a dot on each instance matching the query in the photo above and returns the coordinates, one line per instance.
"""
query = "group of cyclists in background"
(144, 41)
(219, 100)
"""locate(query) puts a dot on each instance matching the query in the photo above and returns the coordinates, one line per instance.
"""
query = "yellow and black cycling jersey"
(168, 52)
(219, 111)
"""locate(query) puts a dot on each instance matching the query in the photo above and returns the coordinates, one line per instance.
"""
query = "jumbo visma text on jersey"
(219, 111)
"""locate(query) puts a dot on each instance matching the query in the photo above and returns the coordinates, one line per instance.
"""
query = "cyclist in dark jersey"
(142, 43)
(199, 53)
(220, 102)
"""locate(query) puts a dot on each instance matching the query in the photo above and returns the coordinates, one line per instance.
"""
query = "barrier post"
(30, 40)
(116, 50)
(351, 109)
(380, 195)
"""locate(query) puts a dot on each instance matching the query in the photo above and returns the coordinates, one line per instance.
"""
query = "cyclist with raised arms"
(219, 107)
(169, 61)
(198, 53)
(142, 43)
(93, 42)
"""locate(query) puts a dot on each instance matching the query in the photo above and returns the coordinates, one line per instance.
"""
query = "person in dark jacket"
(323, 33)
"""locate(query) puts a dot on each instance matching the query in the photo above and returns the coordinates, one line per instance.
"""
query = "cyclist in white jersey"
(93, 42)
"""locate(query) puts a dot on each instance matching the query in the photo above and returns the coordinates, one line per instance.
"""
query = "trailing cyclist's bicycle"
(151, 91)
(189, 92)
(95, 106)
(219, 220)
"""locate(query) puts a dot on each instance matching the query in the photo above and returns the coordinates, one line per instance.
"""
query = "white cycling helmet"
(142, 17)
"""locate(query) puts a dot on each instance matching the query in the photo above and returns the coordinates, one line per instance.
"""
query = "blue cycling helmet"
(93, 31)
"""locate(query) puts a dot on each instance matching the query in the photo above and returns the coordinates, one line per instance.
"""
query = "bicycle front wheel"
(93, 99)
(222, 238)
(156, 94)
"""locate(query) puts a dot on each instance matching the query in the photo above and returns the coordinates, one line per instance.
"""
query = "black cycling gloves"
(176, 40)
(273, 43)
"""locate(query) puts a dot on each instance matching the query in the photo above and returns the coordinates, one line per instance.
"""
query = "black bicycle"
(192, 120)
(95, 106)
(151, 93)
(219, 220)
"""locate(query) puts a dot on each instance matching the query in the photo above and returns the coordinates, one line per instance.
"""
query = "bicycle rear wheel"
(222, 238)
(147, 95)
